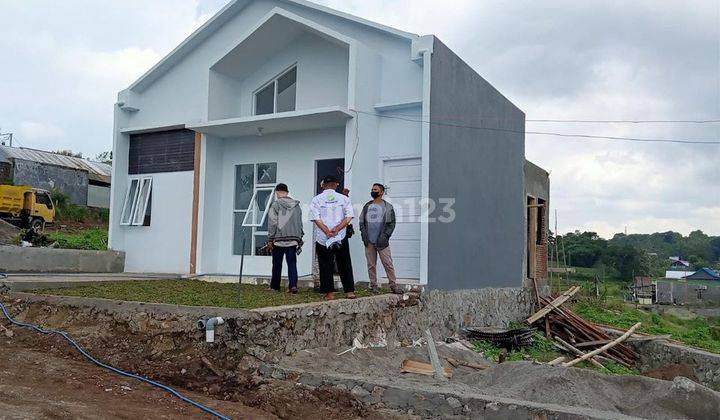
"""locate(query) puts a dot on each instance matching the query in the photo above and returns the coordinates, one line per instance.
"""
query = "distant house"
(86, 183)
(678, 269)
(704, 274)
(678, 264)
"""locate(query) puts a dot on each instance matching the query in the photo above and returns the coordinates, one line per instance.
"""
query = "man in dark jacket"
(285, 232)
(377, 223)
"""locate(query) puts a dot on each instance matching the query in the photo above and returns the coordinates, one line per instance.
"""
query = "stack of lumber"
(573, 333)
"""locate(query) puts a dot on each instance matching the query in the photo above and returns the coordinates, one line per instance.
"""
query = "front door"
(327, 167)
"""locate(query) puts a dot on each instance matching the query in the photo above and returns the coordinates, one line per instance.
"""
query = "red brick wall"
(542, 248)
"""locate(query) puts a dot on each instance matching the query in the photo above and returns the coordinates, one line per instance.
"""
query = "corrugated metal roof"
(96, 170)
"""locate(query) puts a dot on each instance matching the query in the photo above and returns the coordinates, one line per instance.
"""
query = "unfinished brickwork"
(541, 249)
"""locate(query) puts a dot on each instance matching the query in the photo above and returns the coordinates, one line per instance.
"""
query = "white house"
(272, 91)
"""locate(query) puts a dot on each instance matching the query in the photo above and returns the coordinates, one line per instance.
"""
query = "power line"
(582, 121)
(626, 121)
(544, 133)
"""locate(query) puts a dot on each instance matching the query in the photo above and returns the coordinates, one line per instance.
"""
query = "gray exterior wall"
(537, 182)
(483, 171)
(98, 196)
(72, 182)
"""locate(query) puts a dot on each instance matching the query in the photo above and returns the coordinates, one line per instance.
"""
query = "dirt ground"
(41, 377)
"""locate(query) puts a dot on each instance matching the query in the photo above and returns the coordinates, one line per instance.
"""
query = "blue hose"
(110, 368)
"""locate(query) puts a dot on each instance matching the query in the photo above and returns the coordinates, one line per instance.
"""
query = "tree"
(583, 249)
(104, 157)
(626, 260)
(67, 152)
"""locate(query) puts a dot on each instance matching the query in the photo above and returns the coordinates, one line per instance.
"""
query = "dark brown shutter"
(163, 151)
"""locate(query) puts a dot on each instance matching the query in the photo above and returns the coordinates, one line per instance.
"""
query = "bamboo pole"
(616, 341)
(577, 352)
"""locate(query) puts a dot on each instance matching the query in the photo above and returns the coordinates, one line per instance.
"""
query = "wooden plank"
(456, 363)
(615, 342)
(629, 340)
(557, 361)
(434, 359)
(421, 368)
(195, 204)
(554, 304)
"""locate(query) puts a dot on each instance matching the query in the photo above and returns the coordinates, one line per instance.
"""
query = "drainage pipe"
(209, 326)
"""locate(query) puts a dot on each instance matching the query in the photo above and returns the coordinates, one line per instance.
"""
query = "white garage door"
(402, 183)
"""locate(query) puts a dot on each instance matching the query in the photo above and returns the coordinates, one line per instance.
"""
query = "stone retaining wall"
(659, 353)
(265, 334)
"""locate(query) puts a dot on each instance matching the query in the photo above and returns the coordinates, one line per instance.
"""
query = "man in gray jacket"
(285, 233)
(377, 223)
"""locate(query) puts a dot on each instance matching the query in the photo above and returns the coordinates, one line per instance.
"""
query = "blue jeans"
(290, 254)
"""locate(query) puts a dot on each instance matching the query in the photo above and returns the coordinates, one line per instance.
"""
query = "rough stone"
(454, 402)
(659, 353)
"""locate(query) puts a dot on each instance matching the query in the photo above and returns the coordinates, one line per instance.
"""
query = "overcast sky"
(62, 64)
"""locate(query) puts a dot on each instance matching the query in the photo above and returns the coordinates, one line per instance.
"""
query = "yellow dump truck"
(26, 207)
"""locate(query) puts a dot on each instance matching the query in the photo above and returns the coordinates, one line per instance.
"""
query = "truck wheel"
(38, 225)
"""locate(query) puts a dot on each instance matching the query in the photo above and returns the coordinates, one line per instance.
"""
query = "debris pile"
(508, 339)
(570, 332)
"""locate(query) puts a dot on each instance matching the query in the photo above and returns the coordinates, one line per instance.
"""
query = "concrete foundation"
(20, 259)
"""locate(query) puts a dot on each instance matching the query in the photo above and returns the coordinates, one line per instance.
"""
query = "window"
(278, 95)
(254, 185)
(43, 198)
(136, 209)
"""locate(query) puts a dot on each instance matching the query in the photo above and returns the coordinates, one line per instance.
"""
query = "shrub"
(92, 239)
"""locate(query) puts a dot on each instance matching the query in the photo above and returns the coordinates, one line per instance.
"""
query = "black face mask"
(374, 194)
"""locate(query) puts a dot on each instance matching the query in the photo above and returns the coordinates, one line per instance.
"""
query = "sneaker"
(374, 289)
(396, 290)
(293, 290)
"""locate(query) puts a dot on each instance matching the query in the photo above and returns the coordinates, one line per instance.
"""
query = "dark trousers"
(290, 254)
(340, 255)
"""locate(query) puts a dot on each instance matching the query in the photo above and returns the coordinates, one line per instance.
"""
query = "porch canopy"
(258, 125)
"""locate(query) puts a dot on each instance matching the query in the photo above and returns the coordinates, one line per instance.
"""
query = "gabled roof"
(96, 170)
(224, 15)
(705, 273)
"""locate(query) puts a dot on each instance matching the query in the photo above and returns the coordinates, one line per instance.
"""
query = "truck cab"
(26, 207)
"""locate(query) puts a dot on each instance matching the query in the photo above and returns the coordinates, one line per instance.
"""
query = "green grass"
(193, 293)
(93, 239)
(543, 350)
(696, 332)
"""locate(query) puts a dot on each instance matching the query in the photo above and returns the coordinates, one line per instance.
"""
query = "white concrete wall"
(322, 69)
(98, 196)
(400, 133)
(164, 246)
(295, 154)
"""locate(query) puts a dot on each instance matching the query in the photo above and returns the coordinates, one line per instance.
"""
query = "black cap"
(330, 179)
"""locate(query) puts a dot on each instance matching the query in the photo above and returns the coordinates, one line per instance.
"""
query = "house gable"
(228, 12)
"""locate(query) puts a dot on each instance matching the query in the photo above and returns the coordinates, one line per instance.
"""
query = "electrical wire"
(108, 367)
(544, 133)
